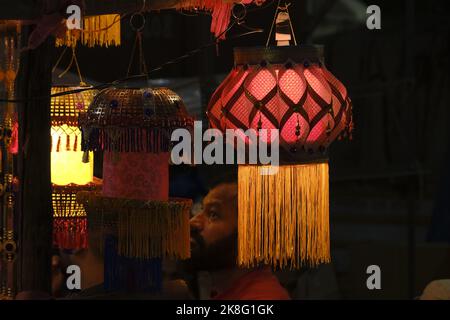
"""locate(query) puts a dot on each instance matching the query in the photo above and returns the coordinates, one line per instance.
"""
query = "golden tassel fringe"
(284, 218)
(153, 229)
(64, 199)
(161, 232)
(66, 206)
(103, 30)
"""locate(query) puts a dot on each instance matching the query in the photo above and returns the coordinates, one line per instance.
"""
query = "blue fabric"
(130, 274)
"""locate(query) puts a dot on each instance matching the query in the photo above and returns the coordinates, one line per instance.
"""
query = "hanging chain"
(281, 9)
(73, 61)
(138, 42)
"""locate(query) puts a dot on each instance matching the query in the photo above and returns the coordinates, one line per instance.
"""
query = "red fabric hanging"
(70, 233)
(221, 12)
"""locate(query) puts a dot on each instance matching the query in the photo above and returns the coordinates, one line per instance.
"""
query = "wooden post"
(34, 203)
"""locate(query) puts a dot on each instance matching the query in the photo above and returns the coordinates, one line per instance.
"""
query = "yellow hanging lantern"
(69, 174)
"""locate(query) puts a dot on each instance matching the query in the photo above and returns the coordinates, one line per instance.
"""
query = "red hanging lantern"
(283, 219)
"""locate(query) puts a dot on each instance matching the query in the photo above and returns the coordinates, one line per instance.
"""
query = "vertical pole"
(34, 203)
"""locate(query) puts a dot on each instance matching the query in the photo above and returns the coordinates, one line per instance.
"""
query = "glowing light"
(66, 155)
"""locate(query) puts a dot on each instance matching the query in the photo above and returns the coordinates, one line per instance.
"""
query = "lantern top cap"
(137, 107)
(277, 55)
(64, 109)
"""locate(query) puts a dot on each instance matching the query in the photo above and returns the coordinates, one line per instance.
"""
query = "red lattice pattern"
(305, 102)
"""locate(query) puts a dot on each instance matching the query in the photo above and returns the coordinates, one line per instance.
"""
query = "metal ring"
(9, 247)
(236, 15)
(133, 16)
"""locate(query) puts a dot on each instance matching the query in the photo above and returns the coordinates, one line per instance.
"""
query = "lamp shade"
(285, 88)
(284, 218)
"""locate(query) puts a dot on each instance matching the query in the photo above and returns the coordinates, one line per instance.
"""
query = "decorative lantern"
(133, 127)
(69, 174)
(284, 218)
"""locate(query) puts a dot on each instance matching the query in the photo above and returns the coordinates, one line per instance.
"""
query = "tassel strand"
(284, 218)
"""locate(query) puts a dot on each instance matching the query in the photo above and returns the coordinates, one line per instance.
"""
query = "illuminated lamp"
(69, 174)
(284, 218)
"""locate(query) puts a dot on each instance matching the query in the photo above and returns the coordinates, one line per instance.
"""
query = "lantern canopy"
(283, 218)
(68, 173)
(133, 127)
(134, 120)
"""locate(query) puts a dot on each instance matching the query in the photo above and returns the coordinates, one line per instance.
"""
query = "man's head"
(214, 230)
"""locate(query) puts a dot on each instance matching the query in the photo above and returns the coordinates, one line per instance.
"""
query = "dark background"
(390, 185)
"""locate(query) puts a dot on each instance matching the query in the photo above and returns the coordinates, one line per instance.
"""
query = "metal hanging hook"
(282, 8)
(239, 16)
(137, 24)
(136, 27)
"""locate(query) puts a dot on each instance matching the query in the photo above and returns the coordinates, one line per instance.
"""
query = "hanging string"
(59, 59)
(73, 60)
(279, 9)
(78, 67)
(273, 22)
(138, 44)
(157, 69)
(290, 23)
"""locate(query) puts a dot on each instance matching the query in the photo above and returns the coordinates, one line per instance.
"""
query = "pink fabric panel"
(138, 176)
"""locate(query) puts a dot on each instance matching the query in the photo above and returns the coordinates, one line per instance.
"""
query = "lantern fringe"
(69, 217)
(64, 199)
(70, 233)
(67, 143)
(102, 30)
(58, 145)
(145, 230)
(71, 144)
(130, 274)
(284, 218)
(163, 232)
(127, 140)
